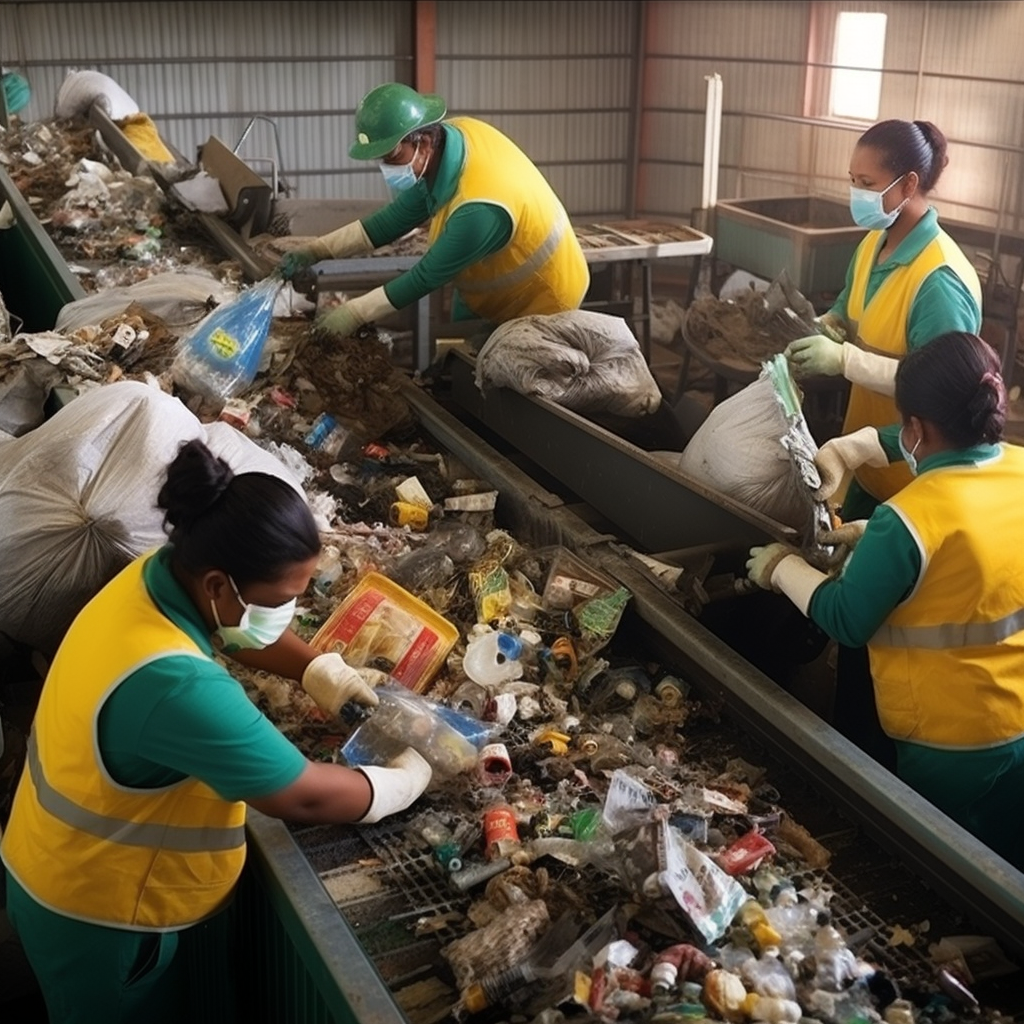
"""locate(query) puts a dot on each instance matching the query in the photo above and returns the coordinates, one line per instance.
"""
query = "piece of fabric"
(82, 844)
(881, 323)
(964, 619)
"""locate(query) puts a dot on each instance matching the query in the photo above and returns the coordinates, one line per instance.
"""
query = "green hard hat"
(16, 92)
(387, 114)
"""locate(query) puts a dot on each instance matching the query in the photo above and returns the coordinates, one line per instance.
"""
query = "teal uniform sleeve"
(473, 231)
(406, 211)
(882, 570)
(942, 304)
(182, 716)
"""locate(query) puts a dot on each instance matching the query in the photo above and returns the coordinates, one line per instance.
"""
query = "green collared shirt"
(181, 716)
(473, 231)
(883, 568)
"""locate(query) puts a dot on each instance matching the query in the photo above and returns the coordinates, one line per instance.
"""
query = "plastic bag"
(219, 359)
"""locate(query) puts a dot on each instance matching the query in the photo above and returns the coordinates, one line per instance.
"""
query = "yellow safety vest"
(542, 268)
(86, 846)
(881, 327)
(948, 663)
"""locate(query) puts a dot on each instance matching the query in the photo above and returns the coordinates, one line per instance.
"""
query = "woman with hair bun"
(128, 825)
(935, 588)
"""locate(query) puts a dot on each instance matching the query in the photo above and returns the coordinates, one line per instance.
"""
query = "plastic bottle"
(327, 435)
(754, 919)
(423, 568)
(493, 658)
(772, 1010)
(767, 976)
(442, 841)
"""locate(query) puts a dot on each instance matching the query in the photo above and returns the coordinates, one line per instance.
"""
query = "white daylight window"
(857, 80)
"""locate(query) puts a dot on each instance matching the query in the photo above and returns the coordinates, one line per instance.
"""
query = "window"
(859, 44)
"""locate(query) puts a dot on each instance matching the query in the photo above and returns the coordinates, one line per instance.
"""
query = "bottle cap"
(509, 645)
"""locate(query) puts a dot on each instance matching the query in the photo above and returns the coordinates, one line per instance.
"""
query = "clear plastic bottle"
(493, 658)
(329, 436)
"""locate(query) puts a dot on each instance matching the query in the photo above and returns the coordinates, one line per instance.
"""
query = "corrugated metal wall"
(558, 78)
(202, 69)
(956, 64)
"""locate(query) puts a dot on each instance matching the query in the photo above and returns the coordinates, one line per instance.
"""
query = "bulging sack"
(78, 499)
(584, 361)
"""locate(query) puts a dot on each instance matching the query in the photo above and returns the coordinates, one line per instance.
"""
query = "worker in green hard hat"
(497, 230)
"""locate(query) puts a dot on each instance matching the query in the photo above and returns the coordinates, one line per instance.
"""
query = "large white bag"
(78, 499)
(738, 451)
(584, 361)
(80, 89)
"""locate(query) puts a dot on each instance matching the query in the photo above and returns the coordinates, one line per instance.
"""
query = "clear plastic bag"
(219, 359)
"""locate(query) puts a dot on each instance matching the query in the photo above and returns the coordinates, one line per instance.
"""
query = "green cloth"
(979, 789)
(182, 716)
(943, 303)
(883, 568)
(474, 231)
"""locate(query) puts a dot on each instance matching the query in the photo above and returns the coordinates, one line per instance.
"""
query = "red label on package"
(414, 661)
(745, 854)
(355, 617)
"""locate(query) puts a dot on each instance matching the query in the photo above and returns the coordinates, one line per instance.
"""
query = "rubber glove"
(844, 454)
(347, 318)
(332, 683)
(764, 560)
(349, 240)
(396, 786)
(815, 355)
(780, 567)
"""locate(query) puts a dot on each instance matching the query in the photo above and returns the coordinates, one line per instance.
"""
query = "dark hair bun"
(987, 407)
(195, 480)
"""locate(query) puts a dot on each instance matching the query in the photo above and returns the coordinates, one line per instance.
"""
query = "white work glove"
(332, 683)
(843, 455)
(848, 535)
(397, 786)
(780, 568)
(350, 240)
(815, 355)
(347, 318)
(870, 370)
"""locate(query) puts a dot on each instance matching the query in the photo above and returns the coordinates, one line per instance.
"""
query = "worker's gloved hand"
(293, 263)
(763, 562)
(332, 683)
(396, 786)
(846, 536)
(844, 454)
(815, 356)
(346, 319)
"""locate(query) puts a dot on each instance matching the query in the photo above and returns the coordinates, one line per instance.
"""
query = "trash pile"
(608, 861)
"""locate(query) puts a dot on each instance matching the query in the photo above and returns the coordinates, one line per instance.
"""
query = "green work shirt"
(181, 716)
(473, 231)
(883, 568)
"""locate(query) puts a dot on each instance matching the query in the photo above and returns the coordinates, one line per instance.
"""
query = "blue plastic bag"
(219, 359)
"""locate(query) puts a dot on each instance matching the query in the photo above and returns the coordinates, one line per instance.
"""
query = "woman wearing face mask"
(497, 232)
(935, 588)
(128, 825)
(908, 283)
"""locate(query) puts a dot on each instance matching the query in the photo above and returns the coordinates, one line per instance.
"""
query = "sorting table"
(625, 243)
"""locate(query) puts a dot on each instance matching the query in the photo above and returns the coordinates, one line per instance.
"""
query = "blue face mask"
(401, 177)
(909, 456)
(867, 210)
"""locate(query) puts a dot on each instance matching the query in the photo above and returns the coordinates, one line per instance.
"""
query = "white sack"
(584, 361)
(177, 298)
(80, 89)
(738, 451)
(78, 499)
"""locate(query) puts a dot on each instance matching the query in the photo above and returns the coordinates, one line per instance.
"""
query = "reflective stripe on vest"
(531, 265)
(179, 838)
(951, 634)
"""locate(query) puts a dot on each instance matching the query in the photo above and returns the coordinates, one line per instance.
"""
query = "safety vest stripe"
(950, 635)
(527, 268)
(126, 833)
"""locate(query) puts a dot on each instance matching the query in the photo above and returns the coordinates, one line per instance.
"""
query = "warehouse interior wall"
(606, 96)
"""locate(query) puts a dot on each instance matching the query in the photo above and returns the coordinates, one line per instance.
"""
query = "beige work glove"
(848, 535)
(780, 568)
(350, 240)
(843, 455)
(763, 561)
(396, 786)
(869, 369)
(332, 683)
(346, 319)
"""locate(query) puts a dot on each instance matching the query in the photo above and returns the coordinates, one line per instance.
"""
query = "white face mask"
(401, 177)
(258, 627)
(911, 459)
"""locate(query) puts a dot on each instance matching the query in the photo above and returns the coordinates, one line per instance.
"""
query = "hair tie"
(993, 379)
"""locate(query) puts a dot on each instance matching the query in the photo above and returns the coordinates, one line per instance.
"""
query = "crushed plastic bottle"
(493, 658)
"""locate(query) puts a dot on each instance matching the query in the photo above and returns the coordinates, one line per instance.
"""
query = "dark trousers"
(855, 714)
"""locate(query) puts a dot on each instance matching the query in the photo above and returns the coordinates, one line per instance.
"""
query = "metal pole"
(712, 141)
(637, 110)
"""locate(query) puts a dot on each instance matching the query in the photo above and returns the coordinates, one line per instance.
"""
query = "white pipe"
(712, 140)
